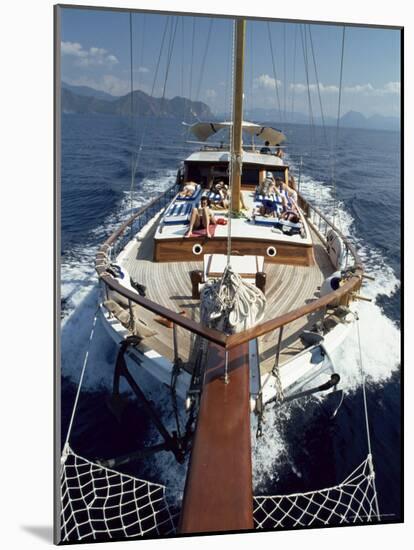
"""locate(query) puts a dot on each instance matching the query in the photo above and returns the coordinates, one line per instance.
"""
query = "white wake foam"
(78, 276)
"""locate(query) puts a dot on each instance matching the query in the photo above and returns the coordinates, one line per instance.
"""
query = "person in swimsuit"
(188, 189)
(219, 188)
(290, 195)
(290, 216)
(201, 218)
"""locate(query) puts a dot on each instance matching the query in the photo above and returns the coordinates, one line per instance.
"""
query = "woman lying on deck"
(201, 218)
(188, 190)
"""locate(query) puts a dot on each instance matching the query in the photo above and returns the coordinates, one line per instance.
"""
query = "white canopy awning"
(203, 130)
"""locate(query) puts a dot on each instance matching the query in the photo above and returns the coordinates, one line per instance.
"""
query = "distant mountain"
(88, 92)
(143, 105)
(351, 119)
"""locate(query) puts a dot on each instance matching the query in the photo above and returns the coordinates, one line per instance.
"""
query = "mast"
(236, 152)
(218, 494)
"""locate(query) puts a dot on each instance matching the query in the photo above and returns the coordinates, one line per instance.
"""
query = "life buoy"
(331, 283)
(335, 249)
(121, 274)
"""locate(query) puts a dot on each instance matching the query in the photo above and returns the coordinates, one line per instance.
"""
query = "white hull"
(308, 369)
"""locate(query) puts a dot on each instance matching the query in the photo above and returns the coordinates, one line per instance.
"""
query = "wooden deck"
(218, 495)
(288, 287)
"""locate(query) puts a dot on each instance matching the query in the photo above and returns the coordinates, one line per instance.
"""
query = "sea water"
(355, 173)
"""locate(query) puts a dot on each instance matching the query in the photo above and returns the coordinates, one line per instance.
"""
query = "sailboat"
(232, 308)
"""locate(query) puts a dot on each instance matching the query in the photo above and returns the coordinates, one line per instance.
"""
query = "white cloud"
(143, 70)
(72, 48)
(106, 83)
(357, 89)
(392, 87)
(360, 89)
(327, 89)
(210, 94)
(267, 82)
(86, 58)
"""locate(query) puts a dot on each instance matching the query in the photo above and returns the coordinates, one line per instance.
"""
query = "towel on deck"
(203, 233)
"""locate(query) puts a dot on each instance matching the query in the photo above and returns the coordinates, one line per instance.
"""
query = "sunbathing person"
(219, 188)
(267, 209)
(201, 218)
(290, 195)
(290, 216)
(267, 185)
(188, 190)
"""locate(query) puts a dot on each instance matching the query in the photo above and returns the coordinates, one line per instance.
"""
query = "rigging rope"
(305, 60)
(138, 154)
(294, 73)
(364, 396)
(337, 127)
(229, 61)
(284, 72)
(318, 85)
(85, 362)
(191, 66)
(169, 57)
(274, 69)
(132, 110)
(204, 59)
(231, 136)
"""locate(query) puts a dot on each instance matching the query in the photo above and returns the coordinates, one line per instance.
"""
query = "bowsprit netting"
(352, 501)
(99, 503)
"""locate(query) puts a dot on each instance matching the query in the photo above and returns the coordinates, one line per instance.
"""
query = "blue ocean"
(302, 448)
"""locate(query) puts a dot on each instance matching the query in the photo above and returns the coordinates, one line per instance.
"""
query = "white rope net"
(101, 504)
(352, 501)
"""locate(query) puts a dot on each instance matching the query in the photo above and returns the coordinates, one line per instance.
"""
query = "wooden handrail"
(210, 334)
(225, 341)
(273, 324)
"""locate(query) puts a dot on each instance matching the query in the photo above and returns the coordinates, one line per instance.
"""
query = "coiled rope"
(231, 304)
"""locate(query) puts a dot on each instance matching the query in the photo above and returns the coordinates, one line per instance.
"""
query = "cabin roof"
(249, 157)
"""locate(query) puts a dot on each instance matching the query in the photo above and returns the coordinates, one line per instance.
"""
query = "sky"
(193, 56)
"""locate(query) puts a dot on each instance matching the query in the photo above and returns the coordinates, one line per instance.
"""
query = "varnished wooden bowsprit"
(218, 493)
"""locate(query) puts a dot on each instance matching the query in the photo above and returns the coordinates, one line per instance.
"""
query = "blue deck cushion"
(193, 197)
(272, 201)
(214, 197)
(281, 224)
(178, 212)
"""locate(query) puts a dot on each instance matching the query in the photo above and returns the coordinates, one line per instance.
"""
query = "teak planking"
(218, 494)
